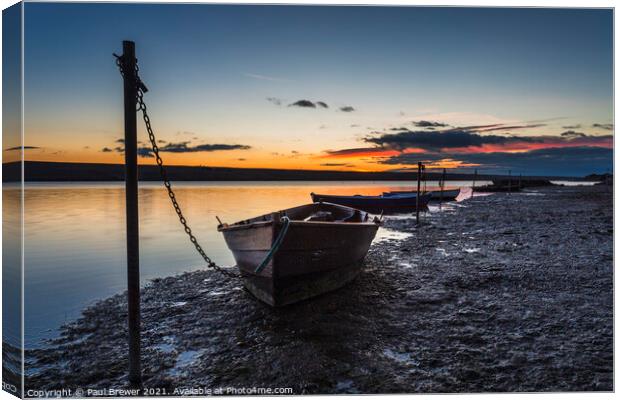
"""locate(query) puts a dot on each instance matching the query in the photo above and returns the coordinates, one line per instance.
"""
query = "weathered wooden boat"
(377, 204)
(301, 252)
(436, 195)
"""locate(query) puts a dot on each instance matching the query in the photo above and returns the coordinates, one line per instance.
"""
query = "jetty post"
(441, 186)
(417, 197)
(131, 211)
(473, 184)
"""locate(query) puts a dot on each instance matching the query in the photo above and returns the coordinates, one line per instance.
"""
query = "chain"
(141, 89)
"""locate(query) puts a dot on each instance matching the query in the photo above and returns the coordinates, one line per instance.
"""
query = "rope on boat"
(276, 244)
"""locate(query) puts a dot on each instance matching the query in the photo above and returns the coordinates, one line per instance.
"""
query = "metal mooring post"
(131, 210)
(417, 197)
(473, 184)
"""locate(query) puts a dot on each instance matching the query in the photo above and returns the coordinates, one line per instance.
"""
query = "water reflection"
(75, 236)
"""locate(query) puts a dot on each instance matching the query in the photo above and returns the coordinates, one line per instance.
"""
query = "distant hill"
(38, 171)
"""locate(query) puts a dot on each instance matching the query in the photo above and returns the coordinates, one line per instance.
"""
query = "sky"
(326, 87)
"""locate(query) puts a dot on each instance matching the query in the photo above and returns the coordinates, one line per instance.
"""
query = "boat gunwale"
(359, 196)
(260, 224)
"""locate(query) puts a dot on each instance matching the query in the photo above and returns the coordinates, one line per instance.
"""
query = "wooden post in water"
(473, 184)
(417, 198)
(131, 210)
(441, 186)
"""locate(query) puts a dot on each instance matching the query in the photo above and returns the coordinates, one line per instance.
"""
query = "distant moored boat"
(398, 203)
(447, 195)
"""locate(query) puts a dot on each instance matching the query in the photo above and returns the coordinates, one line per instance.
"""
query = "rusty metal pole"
(131, 211)
(417, 197)
(442, 185)
(473, 184)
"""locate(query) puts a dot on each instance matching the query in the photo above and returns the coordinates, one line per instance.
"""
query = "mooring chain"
(141, 89)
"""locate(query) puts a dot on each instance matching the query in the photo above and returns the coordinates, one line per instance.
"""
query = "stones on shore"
(520, 299)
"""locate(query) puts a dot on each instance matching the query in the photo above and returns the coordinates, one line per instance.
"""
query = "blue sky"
(211, 69)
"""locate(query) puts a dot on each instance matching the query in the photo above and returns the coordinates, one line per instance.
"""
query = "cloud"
(467, 141)
(184, 147)
(106, 150)
(359, 152)
(241, 159)
(145, 152)
(509, 127)
(336, 165)
(399, 129)
(573, 134)
(120, 141)
(162, 141)
(275, 100)
(429, 124)
(303, 103)
(607, 127)
(265, 77)
(572, 126)
(565, 161)
(438, 140)
(22, 147)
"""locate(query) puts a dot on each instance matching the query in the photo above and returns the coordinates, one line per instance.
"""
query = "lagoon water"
(74, 238)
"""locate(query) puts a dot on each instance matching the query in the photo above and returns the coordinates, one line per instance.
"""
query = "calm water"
(75, 236)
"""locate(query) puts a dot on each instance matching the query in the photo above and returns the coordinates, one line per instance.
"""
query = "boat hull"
(377, 204)
(314, 257)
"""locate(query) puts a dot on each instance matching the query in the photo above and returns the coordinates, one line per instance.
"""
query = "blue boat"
(445, 195)
(398, 203)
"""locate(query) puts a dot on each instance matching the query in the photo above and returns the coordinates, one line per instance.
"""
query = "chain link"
(141, 89)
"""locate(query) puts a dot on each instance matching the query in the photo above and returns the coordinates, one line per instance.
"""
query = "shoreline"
(508, 292)
(45, 171)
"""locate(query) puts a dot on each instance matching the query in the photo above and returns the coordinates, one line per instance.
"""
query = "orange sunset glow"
(320, 105)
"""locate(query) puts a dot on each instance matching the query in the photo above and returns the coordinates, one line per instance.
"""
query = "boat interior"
(324, 212)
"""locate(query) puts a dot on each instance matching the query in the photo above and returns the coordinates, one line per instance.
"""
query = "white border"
(458, 3)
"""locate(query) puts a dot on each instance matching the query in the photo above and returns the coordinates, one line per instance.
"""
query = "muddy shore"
(502, 293)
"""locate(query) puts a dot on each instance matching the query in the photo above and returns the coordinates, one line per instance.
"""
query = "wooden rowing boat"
(377, 204)
(314, 248)
(436, 195)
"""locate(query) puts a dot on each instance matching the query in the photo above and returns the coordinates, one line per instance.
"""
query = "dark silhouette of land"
(39, 171)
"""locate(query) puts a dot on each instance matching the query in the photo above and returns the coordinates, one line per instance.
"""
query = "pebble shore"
(499, 293)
